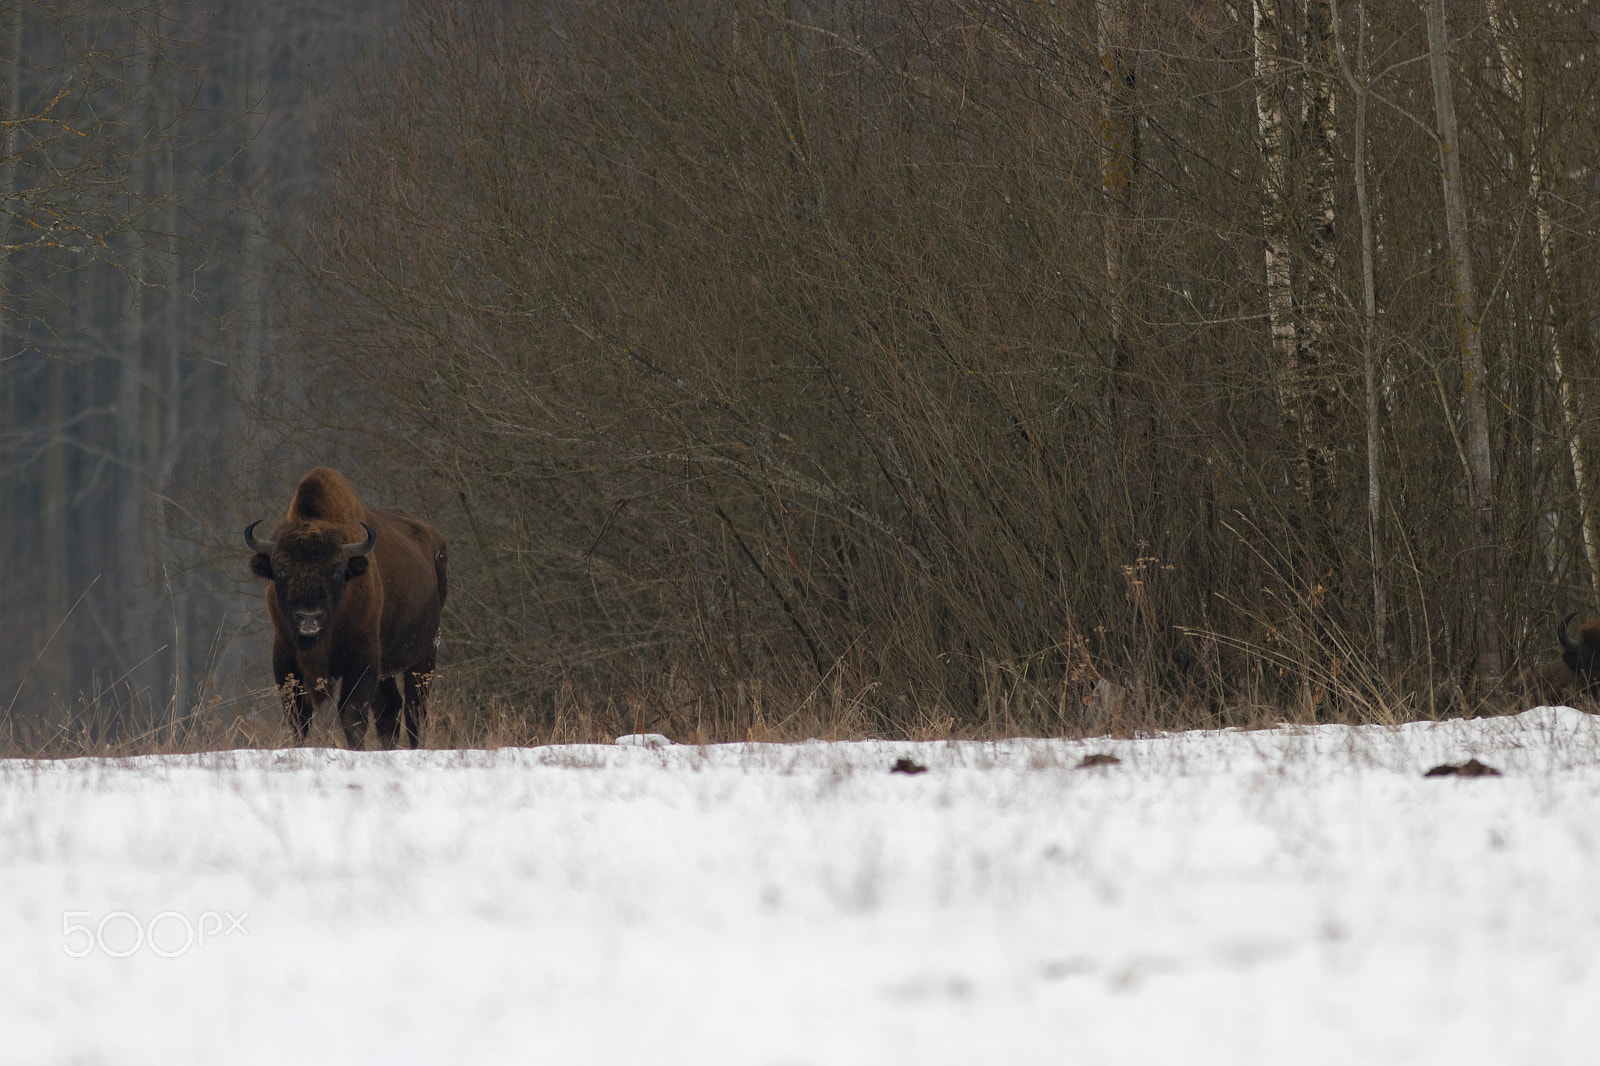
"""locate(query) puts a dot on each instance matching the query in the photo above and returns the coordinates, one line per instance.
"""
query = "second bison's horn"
(262, 546)
(362, 547)
(1567, 643)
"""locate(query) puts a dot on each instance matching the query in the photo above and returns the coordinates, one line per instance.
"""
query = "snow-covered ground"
(1302, 895)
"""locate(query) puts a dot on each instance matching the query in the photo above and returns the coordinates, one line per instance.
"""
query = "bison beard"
(354, 597)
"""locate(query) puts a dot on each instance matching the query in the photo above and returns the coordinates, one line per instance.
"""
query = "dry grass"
(843, 706)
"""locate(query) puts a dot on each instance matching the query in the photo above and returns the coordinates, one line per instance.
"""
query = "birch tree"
(1314, 343)
(1299, 303)
(1272, 127)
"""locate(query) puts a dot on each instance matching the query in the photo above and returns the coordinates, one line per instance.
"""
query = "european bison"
(1582, 656)
(354, 598)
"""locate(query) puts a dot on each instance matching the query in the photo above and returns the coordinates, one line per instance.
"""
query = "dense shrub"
(751, 347)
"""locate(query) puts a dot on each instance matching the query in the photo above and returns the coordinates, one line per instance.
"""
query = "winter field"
(1302, 895)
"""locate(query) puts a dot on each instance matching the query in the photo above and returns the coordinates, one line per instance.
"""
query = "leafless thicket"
(928, 367)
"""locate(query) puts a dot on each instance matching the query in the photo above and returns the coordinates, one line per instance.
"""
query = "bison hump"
(324, 495)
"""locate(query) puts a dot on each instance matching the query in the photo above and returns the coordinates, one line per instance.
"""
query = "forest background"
(784, 369)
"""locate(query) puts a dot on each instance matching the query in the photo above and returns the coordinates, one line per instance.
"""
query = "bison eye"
(279, 574)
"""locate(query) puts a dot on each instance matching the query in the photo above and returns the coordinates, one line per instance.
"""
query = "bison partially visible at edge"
(1576, 674)
(354, 597)
(1581, 656)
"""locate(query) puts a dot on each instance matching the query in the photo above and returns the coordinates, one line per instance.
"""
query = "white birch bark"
(1315, 347)
(1274, 155)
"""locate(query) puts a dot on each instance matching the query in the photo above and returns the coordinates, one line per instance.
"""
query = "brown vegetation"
(822, 352)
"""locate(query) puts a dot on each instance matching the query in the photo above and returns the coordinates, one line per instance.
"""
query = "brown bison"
(1573, 675)
(1582, 656)
(354, 598)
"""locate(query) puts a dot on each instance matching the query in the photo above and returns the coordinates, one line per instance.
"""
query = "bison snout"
(310, 623)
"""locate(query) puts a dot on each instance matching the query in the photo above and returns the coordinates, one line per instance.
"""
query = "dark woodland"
(778, 369)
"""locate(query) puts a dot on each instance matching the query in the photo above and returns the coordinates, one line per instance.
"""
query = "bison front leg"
(298, 704)
(355, 697)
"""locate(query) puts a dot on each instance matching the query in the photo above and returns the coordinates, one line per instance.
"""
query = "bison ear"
(261, 565)
(356, 566)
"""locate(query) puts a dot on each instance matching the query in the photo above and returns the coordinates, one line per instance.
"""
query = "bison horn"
(362, 547)
(264, 547)
(1567, 643)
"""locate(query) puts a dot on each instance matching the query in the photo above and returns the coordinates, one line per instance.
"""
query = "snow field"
(1298, 895)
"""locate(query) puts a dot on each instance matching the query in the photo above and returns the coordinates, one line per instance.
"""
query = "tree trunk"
(1119, 153)
(1475, 409)
(1314, 351)
(55, 665)
(1357, 81)
(9, 350)
(144, 396)
(1274, 155)
(1300, 320)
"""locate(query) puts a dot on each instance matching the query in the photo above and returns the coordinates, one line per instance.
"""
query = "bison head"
(1582, 655)
(308, 565)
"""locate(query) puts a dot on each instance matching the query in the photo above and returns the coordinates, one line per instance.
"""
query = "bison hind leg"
(386, 703)
(418, 680)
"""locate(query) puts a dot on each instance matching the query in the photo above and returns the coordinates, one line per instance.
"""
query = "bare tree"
(1475, 413)
(1119, 157)
(1358, 80)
